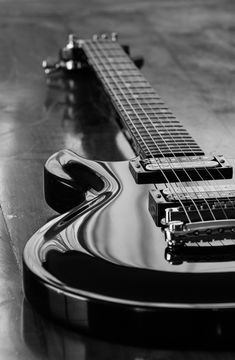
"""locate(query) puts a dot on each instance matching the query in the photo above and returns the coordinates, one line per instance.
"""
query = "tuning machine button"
(114, 36)
(104, 36)
(71, 49)
(51, 66)
(95, 37)
(71, 57)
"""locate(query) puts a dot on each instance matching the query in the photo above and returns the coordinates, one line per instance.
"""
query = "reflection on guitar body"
(143, 243)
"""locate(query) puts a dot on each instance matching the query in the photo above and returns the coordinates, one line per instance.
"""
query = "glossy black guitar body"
(128, 259)
(102, 266)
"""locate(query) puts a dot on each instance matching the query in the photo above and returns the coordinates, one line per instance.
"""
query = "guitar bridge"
(177, 233)
(175, 169)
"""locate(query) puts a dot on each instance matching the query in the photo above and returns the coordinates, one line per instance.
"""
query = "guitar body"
(143, 250)
(102, 266)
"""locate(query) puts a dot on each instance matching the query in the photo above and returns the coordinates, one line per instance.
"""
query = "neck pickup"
(177, 169)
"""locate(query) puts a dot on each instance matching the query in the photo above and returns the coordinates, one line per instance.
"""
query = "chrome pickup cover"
(174, 193)
(169, 202)
(182, 168)
(185, 162)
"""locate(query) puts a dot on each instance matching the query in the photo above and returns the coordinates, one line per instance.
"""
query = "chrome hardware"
(51, 66)
(72, 44)
(72, 41)
(180, 165)
(104, 36)
(197, 192)
(95, 37)
(114, 36)
(182, 162)
(178, 233)
(169, 212)
(177, 169)
(68, 57)
(176, 225)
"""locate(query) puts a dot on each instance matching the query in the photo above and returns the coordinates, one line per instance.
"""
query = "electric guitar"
(145, 248)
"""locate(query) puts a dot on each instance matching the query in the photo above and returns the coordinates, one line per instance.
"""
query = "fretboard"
(154, 129)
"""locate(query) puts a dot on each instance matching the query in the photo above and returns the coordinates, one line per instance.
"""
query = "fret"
(127, 86)
(128, 73)
(164, 141)
(127, 97)
(109, 69)
(152, 124)
(167, 139)
(130, 92)
(144, 111)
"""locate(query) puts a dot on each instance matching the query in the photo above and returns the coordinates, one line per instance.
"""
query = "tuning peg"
(95, 37)
(69, 52)
(71, 57)
(114, 36)
(51, 66)
(104, 36)
(73, 41)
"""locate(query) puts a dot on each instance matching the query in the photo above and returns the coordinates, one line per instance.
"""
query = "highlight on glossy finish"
(141, 242)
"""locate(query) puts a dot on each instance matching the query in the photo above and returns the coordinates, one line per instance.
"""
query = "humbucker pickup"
(166, 201)
(184, 168)
(192, 214)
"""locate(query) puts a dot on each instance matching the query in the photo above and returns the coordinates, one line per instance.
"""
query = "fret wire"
(179, 135)
(154, 114)
(186, 191)
(111, 90)
(121, 73)
(143, 81)
(187, 144)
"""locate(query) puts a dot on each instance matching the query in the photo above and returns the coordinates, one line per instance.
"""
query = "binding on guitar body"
(145, 248)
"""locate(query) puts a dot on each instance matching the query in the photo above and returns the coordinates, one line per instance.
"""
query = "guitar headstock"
(72, 57)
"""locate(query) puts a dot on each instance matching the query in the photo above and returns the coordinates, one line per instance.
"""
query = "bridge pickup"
(175, 169)
(174, 199)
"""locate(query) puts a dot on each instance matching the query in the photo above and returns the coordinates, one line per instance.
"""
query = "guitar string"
(195, 205)
(154, 98)
(210, 210)
(187, 145)
(199, 174)
(139, 74)
(165, 130)
(110, 87)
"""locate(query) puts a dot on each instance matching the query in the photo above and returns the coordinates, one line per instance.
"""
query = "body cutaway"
(107, 254)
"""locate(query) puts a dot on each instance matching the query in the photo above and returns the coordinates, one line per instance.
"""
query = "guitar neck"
(154, 129)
